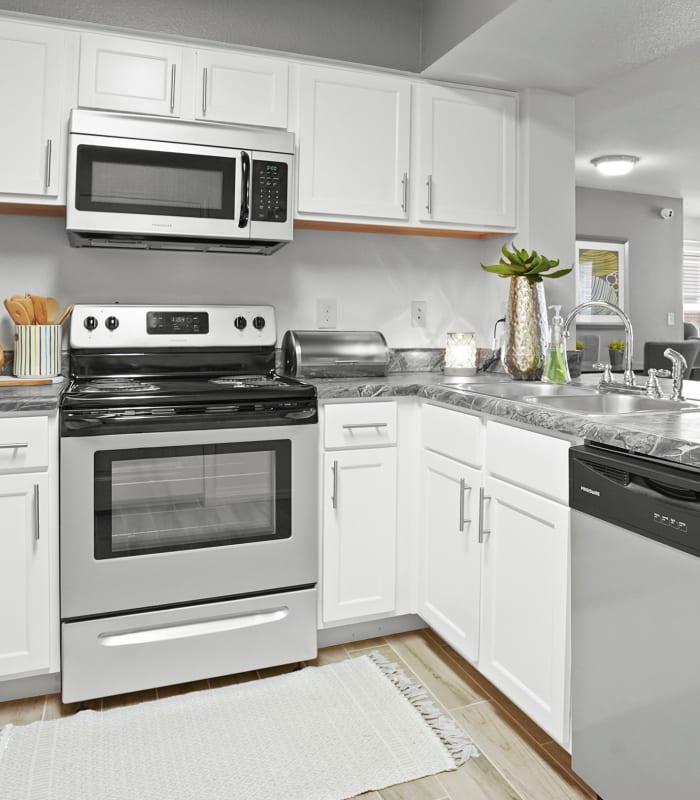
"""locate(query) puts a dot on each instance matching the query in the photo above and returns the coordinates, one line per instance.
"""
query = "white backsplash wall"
(373, 278)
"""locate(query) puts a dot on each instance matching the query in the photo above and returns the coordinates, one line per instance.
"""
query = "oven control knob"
(240, 323)
(90, 323)
(258, 323)
(112, 323)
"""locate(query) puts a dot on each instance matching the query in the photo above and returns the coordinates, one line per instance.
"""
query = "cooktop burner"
(245, 381)
(118, 385)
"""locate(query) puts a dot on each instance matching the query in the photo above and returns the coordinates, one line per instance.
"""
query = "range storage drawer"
(24, 443)
(159, 648)
(360, 424)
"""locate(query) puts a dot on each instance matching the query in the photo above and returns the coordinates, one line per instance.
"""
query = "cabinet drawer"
(453, 434)
(24, 443)
(360, 425)
(532, 460)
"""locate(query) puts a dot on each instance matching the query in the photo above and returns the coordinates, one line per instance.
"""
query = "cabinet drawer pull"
(334, 496)
(37, 532)
(14, 445)
(49, 147)
(462, 489)
(429, 184)
(483, 532)
(404, 184)
(172, 87)
(204, 92)
(352, 425)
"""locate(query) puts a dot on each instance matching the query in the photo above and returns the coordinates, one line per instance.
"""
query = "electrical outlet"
(326, 313)
(670, 318)
(419, 311)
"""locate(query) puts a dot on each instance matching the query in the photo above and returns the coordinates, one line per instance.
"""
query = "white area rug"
(323, 733)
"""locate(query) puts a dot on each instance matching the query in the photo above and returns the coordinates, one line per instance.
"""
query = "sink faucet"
(677, 371)
(629, 337)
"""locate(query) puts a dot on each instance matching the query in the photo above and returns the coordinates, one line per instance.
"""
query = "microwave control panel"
(269, 191)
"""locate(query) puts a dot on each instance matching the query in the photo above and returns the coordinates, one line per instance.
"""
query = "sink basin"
(611, 404)
(519, 390)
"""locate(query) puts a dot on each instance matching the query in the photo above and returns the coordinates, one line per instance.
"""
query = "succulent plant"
(521, 264)
(616, 344)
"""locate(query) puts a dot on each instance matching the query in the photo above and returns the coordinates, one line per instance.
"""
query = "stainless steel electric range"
(189, 529)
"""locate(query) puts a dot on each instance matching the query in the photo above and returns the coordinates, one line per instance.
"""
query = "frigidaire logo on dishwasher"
(590, 491)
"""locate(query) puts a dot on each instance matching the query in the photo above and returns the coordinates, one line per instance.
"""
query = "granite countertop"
(39, 399)
(670, 436)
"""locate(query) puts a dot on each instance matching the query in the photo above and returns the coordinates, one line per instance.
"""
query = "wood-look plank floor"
(518, 761)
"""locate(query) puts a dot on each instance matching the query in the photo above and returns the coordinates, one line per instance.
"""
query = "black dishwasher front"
(635, 606)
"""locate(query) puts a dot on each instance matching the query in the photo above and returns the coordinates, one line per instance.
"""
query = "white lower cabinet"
(359, 533)
(25, 620)
(525, 607)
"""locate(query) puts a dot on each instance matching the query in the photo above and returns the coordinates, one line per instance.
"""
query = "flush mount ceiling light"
(614, 165)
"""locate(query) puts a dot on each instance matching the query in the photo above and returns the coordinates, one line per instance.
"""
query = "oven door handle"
(184, 630)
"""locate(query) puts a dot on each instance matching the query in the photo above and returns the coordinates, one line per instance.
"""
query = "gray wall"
(447, 22)
(654, 271)
(382, 33)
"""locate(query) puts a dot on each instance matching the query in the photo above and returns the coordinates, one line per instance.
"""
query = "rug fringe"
(458, 744)
(5, 733)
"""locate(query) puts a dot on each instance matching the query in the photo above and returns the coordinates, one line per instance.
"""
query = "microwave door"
(157, 188)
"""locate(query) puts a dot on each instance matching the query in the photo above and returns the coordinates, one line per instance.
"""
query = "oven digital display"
(168, 322)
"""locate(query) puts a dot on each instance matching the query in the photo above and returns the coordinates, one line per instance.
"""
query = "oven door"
(132, 186)
(161, 518)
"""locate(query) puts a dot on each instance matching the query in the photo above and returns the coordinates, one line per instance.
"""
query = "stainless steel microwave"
(150, 183)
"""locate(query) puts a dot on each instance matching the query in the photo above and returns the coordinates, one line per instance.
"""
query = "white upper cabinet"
(133, 75)
(32, 66)
(354, 130)
(466, 157)
(244, 89)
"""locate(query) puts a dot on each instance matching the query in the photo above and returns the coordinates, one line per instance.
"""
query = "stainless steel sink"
(601, 403)
(520, 390)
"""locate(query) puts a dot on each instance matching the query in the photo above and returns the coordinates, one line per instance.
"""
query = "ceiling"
(633, 67)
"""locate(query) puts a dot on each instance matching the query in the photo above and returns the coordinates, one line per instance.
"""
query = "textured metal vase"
(526, 334)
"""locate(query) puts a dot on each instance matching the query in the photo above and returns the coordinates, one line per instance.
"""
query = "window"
(691, 281)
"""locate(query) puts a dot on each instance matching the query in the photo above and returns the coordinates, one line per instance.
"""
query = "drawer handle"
(353, 425)
(162, 633)
(37, 532)
(334, 496)
(462, 489)
(14, 446)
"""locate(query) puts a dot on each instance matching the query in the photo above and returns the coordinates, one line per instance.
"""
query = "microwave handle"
(245, 190)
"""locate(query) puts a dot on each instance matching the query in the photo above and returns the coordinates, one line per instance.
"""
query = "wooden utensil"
(39, 305)
(28, 306)
(51, 310)
(17, 312)
(64, 315)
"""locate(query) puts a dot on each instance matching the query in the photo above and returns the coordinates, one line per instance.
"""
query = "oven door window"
(122, 180)
(157, 500)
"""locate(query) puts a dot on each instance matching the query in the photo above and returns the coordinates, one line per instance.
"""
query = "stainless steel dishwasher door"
(635, 664)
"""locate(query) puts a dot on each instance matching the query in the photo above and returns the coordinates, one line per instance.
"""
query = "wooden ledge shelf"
(44, 210)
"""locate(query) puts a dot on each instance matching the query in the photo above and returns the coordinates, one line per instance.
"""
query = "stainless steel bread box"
(335, 354)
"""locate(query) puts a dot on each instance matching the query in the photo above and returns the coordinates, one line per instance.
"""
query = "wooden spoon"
(39, 306)
(18, 312)
(64, 315)
(51, 310)
(28, 306)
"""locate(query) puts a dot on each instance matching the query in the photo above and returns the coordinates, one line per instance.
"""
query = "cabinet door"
(121, 74)
(466, 157)
(31, 63)
(525, 607)
(450, 553)
(247, 90)
(24, 574)
(353, 143)
(359, 533)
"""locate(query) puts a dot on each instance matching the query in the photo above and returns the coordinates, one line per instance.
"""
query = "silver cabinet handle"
(462, 489)
(353, 425)
(483, 532)
(404, 184)
(334, 496)
(49, 147)
(14, 445)
(429, 184)
(173, 69)
(204, 92)
(37, 532)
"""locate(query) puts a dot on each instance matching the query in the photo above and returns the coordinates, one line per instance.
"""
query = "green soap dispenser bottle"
(556, 367)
